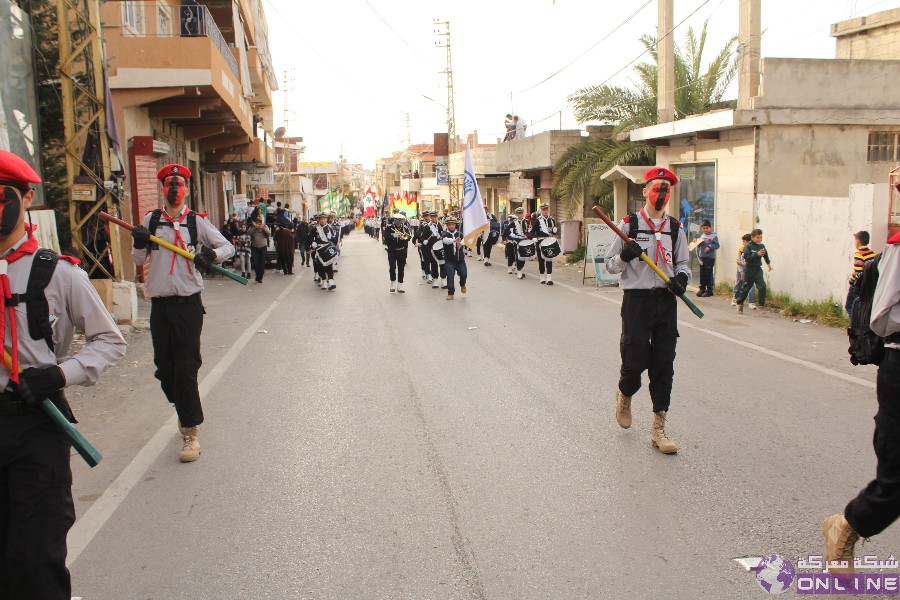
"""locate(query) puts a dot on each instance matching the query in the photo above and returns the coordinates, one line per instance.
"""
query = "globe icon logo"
(775, 574)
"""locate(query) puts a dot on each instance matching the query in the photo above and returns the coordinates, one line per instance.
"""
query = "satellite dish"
(280, 132)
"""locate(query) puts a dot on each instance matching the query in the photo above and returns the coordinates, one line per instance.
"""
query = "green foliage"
(578, 171)
(577, 256)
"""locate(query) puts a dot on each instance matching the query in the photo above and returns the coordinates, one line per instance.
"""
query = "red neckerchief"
(29, 246)
(658, 233)
(176, 225)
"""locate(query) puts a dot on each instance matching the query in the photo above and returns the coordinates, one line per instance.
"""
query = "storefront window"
(696, 195)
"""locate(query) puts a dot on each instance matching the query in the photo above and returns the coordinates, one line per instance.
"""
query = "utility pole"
(443, 31)
(86, 143)
(286, 150)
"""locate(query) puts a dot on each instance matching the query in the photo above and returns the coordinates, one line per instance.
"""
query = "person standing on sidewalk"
(259, 243)
(174, 284)
(862, 256)
(878, 504)
(754, 254)
(706, 251)
(454, 257)
(649, 306)
(36, 507)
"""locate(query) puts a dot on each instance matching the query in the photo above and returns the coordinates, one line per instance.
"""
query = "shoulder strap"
(674, 227)
(36, 306)
(632, 226)
(191, 222)
(155, 216)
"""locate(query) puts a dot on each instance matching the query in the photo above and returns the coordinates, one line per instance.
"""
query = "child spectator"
(862, 256)
(740, 274)
(754, 254)
(707, 252)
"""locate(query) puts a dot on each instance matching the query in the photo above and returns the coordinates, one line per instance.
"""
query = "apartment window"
(133, 16)
(279, 159)
(163, 20)
(883, 146)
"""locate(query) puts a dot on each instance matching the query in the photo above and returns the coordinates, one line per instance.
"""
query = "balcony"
(175, 58)
(409, 184)
(539, 151)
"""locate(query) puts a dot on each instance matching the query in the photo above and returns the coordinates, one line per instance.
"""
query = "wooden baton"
(647, 260)
(174, 248)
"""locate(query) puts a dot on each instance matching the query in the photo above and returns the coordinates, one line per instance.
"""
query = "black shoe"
(549, 283)
(701, 292)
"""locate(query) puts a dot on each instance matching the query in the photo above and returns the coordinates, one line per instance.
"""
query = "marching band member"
(438, 272)
(174, 284)
(454, 257)
(649, 306)
(338, 236)
(544, 227)
(516, 231)
(321, 235)
(419, 240)
(396, 242)
(491, 236)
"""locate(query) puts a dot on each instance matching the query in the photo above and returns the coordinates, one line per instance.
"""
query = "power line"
(411, 47)
(600, 41)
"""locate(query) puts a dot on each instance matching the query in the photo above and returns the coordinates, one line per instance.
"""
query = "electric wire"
(400, 37)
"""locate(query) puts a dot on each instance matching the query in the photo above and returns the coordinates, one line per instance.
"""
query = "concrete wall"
(875, 36)
(828, 83)
(539, 151)
(733, 154)
(817, 160)
(810, 239)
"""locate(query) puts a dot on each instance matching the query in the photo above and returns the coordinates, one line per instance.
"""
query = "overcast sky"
(357, 75)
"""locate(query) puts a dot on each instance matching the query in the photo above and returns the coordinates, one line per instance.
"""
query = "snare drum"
(525, 250)
(550, 248)
(437, 251)
(327, 255)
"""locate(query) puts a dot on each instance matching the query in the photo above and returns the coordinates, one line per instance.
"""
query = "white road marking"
(103, 508)
(773, 353)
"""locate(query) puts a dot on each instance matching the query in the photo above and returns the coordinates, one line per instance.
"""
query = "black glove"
(630, 251)
(678, 284)
(140, 236)
(205, 257)
(38, 384)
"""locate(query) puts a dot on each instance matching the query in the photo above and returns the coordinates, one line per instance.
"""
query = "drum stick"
(174, 248)
(90, 454)
(647, 260)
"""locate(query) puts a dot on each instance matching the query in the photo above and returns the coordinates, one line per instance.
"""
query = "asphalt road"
(377, 445)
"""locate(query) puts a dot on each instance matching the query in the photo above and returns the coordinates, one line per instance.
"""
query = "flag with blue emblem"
(475, 221)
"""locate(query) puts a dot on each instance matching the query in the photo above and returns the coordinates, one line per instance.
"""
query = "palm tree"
(579, 169)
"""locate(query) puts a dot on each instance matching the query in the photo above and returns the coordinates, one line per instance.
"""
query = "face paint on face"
(176, 190)
(659, 194)
(10, 210)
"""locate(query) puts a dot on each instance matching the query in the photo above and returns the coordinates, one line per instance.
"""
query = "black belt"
(659, 291)
(894, 338)
(167, 300)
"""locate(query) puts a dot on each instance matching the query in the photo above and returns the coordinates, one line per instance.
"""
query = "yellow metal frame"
(84, 107)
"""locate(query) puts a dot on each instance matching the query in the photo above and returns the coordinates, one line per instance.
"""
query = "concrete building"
(190, 84)
(806, 166)
(493, 183)
(874, 36)
(288, 186)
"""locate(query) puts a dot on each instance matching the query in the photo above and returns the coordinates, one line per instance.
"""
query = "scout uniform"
(36, 508)
(649, 308)
(174, 284)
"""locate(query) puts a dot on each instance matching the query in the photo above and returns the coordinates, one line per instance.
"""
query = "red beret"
(660, 173)
(15, 170)
(169, 170)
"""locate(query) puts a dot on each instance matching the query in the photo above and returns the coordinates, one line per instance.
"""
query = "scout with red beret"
(174, 284)
(649, 306)
(36, 508)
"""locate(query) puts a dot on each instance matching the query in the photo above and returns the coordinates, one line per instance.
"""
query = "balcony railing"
(152, 19)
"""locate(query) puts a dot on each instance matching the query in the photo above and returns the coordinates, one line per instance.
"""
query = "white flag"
(475, 220)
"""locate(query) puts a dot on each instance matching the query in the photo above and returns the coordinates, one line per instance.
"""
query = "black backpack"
(634, 227)
(190, 222)
(866, 347)
(37, 309)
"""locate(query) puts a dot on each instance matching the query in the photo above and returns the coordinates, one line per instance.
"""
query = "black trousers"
(707, 274)
(36, 509)
(512, 258)
(649, 336)
(478, 245)
(435, 270)
(487, 249)
(323, 271)
(396, 264)
(545, 265)
(423, 260)
(175, 328)
(878, 505)
(258, 260)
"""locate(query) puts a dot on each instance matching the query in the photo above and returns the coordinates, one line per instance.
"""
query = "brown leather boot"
(623, 410)
(658, 434)
(191, 449)
(840, 538)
